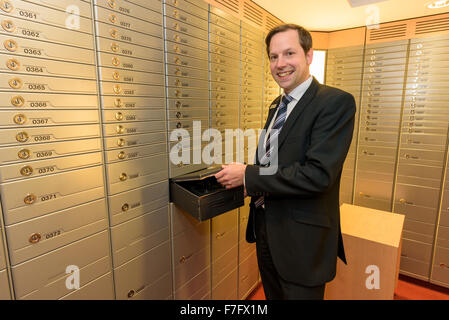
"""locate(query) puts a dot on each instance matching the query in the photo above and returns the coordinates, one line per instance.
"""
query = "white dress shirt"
(296, 94)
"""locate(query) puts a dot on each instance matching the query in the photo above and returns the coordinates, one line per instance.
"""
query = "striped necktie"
(276, 128)
(277, 125)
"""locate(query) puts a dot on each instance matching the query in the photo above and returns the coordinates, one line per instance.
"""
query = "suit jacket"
(302, 197)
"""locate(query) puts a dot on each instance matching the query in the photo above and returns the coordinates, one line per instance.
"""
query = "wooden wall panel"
(409, 29)
(347, 38)
(430, 26)
(249, 12)
(320, 40)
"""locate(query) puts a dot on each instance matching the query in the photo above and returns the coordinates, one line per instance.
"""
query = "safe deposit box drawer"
(132, 8)
(137, 202)
(47, 101)
(90, 255)
(38, 236)
(42, 151)
(135, 152)
(43, 15)
(124, 176)
(61, 5)
(47, 134)
(130, 36)
(136, 276)
(135, 237)
(134, 140)
(131, 23)
(29, 30)
(27, 170)
(118, 103)
(199, 194)
(37, 196)
(46, 50)
(51, 68)
(31, 118)
(129, 49)
(21, 83)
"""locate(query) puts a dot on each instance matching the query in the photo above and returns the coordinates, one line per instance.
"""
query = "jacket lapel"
(273, 107)
(297, 110)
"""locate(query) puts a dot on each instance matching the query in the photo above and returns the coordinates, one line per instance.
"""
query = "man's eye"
(273, 58)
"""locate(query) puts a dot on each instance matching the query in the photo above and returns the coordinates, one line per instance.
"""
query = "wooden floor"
(408, 289)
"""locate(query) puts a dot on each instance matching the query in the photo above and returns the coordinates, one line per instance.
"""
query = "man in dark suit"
(294, 212)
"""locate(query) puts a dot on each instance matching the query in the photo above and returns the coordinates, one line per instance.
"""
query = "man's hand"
(232, 175)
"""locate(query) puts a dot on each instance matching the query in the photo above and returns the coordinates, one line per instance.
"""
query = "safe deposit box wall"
(398, 158)
(90, 92)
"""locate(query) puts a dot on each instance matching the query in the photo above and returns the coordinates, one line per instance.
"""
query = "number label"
(27, 14)
(42, 138)
(43, 154)
(34, 69)
(38, 104)
(48, 197)
(36, 86)
(40, 121)
(35, 52)
(30, 33)
(46, 169)
(52, 234)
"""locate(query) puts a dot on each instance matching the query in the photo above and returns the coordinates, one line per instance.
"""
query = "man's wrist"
(245, 180)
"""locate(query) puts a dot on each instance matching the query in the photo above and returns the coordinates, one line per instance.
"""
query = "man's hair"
(305, 39)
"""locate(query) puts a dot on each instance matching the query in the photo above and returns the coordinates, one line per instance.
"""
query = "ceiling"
(330, 15)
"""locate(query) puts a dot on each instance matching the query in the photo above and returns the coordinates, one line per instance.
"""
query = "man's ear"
(309, 57)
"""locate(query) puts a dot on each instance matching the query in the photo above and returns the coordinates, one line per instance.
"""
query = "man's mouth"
(284, 73)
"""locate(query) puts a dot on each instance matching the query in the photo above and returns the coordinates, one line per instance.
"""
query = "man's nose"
(281, 62)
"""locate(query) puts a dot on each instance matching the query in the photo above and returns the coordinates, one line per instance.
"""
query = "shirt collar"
(299, 91)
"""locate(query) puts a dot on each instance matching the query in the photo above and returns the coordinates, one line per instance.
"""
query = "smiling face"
(288, 63)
